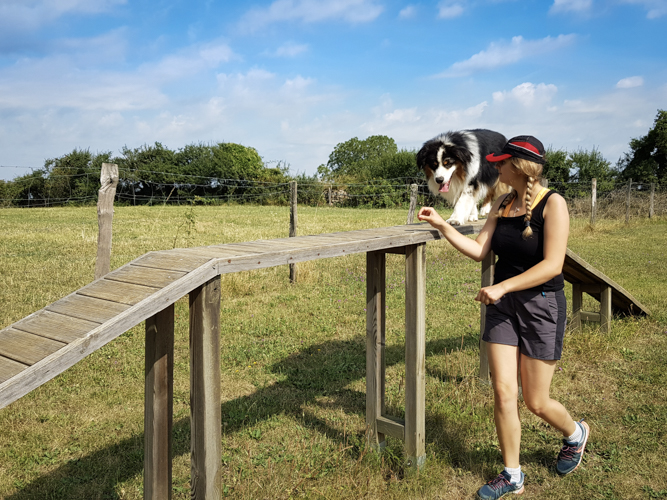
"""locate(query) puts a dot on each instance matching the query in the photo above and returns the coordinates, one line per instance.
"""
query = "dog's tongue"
(444, 188)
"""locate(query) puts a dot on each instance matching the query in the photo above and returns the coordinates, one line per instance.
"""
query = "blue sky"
(293, 78)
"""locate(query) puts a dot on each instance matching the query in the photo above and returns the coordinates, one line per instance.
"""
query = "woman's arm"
(556, 232)
(476, 249)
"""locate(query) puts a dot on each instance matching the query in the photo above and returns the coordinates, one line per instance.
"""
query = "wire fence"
(614, 199)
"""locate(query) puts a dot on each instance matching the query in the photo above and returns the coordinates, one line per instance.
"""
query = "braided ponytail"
(528, 232)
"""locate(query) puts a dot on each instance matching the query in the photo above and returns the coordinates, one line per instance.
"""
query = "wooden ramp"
(39, 347)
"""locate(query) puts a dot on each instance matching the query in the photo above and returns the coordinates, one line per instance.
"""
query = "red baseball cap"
(521, 146)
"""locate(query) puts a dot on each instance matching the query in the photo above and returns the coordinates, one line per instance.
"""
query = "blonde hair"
(532, 171)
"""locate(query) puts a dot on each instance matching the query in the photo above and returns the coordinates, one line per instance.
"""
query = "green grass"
(293, 368)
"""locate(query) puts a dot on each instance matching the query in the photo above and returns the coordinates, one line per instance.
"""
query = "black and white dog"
(456, 168)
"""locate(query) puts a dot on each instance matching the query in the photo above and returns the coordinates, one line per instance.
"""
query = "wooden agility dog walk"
(39, 347)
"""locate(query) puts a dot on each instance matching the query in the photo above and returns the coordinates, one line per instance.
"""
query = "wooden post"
(544, 182)
(488, 268)
(413, 203)
(577, 304)
(159, 405)
(594, 191)
(415, 354)
(205, 414)
(109, 181)
(651, 201)
(293, 222)
(330, 198)
(375, 344)
(605, 309)
(627, 202)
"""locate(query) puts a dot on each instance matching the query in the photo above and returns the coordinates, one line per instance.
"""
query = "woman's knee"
(505, 395)
(536, 405)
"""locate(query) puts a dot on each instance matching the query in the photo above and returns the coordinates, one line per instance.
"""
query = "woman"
(525, 314)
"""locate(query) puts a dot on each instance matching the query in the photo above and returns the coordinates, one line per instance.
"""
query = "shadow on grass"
(321, 370)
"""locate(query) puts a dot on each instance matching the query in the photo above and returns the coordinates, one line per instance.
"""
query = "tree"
(356, 158)
(557, 166)
(647, 159)
(399, 165)
(591, 165)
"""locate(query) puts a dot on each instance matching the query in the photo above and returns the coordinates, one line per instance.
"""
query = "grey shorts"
(532, 320)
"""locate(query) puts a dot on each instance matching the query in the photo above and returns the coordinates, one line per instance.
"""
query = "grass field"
(293, 368)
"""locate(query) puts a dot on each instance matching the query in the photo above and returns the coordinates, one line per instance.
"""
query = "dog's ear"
(462, 154)
(426, 155)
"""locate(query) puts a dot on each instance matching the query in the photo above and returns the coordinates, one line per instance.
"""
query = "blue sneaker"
(571, 453)
(501, 486)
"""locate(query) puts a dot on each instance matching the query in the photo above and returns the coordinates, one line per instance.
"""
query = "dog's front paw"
(454, 222)
(473, 218)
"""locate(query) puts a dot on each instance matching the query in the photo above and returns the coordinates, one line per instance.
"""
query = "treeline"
(371, 172)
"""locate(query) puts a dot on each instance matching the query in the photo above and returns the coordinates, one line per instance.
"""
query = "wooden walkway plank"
(88, 308)
(116, 291)
(171, 260)
(25, 347)
(56, 326)
(139, 275)
(9, 369)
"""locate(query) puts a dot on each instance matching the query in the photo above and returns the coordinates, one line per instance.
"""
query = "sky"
(293, 78)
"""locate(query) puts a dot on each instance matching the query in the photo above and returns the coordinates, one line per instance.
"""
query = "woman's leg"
(503, 360)
(536, 375)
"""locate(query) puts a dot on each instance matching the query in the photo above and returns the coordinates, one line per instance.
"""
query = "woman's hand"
(491, 294)
(429, 215)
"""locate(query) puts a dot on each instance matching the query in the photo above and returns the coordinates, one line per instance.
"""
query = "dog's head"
(441, 161)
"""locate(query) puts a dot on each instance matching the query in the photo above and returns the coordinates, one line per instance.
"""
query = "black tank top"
(516, 255)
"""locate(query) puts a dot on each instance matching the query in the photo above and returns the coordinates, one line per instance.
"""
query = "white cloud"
(290, 49)
(407, 12)
(654, 8)
(503, 54)
(630, 82)
(448, 9)
(311, 11)
(33, 14)
(527, 94)
(571, 6)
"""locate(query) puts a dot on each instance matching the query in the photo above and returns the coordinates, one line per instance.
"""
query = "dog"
(456, 169)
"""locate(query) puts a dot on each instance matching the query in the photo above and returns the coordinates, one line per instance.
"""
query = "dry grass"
(293, 367)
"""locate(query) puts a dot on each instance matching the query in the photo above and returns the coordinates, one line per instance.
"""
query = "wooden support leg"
(205, 417)
(605, 309)
(488, 265)
(577, 302)
(375, 343)
(415, 354)
(159, 408)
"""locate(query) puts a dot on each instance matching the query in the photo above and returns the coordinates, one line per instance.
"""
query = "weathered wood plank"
(139, 275)
(88, 308)
(391, 426)
(56, 326)
(159, 405)
(116, 291)
(205, 412)
(25, 347)
(10, 368)
(173, 261)
(375, 344)
(605, 309)
(415, 356)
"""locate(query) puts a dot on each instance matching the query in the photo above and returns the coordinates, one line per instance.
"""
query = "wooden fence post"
(159, 405)
(330, 197)
(652, 198)
(594, 191)
(109, 181)
(293, 222)
(413, 203)
(627, 202)
(205, 412)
